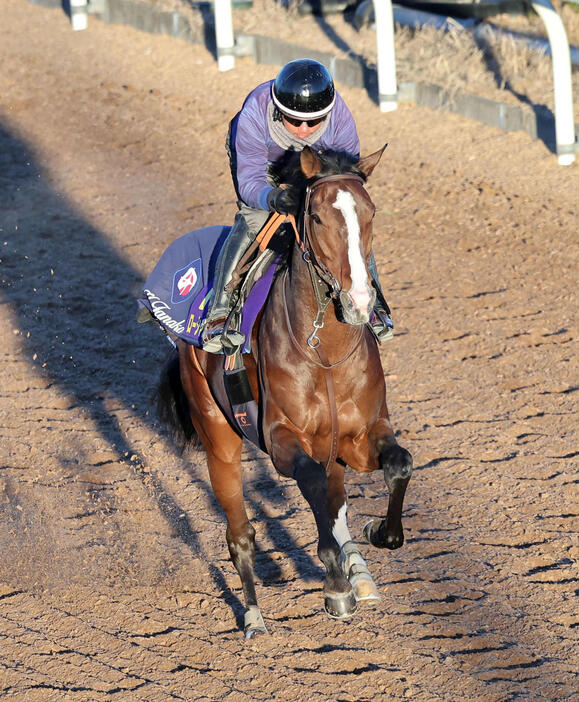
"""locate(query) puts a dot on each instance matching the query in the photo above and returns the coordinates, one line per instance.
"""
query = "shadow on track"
(72, 297)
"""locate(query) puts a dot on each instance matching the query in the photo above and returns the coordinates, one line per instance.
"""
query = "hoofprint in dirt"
(116, 578)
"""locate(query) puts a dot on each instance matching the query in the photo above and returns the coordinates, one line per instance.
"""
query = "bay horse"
(316, 373)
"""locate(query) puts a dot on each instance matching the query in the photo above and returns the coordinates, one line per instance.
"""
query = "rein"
(322, 279)
(324, 362)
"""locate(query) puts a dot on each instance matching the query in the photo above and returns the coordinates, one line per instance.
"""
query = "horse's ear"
(309, 163)
(369, 163)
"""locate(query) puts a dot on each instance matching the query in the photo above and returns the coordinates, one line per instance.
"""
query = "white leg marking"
(340, 529)
(359, 292)
(353, 563)
(341, 533)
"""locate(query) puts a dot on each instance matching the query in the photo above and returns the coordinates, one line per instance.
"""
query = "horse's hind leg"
(396, 462)
(226, 481)
(353, 563)
(223, 447)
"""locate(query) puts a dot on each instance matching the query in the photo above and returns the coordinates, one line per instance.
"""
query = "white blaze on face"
(359, 292)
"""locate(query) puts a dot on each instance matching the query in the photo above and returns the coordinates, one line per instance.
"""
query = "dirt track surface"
(115, 582)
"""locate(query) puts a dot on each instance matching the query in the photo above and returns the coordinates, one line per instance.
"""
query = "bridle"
(305, 239)
(325, 285)
(326, 288)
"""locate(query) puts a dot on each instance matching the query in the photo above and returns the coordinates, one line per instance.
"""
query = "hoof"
(254, 623)
(366, 593)
(340, 606)
(358, 574)
(377, 536)
(365, 590)
(368, 531)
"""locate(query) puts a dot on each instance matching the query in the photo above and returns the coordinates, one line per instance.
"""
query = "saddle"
(177, 292)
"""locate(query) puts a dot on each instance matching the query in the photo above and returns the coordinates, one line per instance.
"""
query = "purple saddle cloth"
(180, 287)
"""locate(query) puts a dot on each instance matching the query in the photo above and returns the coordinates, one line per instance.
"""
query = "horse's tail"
(173, 406)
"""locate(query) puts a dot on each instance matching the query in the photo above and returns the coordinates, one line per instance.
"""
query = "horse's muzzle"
(357, 306)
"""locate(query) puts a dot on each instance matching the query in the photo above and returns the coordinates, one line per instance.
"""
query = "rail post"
(224, 35)
(78, 14)
(387, 89)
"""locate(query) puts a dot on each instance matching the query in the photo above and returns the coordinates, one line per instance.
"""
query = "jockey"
(299, 108)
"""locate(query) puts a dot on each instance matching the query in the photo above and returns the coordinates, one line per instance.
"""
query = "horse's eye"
(316, 218)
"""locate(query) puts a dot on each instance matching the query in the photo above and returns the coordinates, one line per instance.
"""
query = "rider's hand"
(283, 200)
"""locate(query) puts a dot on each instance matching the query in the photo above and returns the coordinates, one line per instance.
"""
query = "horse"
(315, 371)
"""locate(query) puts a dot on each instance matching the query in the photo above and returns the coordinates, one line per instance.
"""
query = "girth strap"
(244, 409)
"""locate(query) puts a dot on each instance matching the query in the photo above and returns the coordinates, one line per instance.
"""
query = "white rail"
(78, 14)
(562, 86)
(560, 52)
(386, 60)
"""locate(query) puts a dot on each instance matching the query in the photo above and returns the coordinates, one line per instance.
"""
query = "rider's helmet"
(304, 89)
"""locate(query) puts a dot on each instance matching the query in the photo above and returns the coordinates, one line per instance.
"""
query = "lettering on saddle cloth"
(179, 288)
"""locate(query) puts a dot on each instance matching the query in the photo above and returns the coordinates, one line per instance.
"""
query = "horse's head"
(338, 214)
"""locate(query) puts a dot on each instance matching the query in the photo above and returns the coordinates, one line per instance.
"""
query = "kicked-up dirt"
(115, 581)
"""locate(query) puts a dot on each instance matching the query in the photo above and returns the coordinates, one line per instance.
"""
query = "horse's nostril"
(359, 297)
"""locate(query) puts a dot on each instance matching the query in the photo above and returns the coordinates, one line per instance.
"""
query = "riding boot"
(233, 249)
(380, 321)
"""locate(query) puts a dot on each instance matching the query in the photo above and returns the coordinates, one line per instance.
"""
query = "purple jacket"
(253, 147)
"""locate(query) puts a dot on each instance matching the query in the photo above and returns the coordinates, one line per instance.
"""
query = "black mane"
(288, 170)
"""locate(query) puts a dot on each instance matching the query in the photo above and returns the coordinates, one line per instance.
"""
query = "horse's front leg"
(353, 563)
(396, 462)
(291, 460)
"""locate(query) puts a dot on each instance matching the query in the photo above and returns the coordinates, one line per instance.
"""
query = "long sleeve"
(251, 141)
(255, 149)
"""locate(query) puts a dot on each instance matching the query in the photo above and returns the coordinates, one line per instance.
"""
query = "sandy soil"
(115, 582)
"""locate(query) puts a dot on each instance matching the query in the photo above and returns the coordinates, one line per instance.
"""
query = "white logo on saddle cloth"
(187, 281)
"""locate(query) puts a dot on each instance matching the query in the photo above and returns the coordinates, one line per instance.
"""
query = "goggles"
(296, 122)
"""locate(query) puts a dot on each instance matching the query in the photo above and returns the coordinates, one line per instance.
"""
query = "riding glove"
(283, 200)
